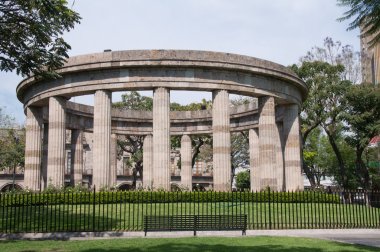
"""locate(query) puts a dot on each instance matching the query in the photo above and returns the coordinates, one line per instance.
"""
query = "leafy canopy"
(366, 15)
(31, 35)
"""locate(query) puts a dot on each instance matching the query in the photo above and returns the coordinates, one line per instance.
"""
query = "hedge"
(164, 197)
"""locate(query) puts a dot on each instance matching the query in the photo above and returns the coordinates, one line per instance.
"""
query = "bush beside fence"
(32, 199)
(125, 211)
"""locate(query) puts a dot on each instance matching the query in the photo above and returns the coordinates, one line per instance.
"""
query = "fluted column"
(254, 159)
(113, 161)
(45, 147)
(147, 162)
(267, 144)
(33, 137)
(57, 142)
(76, 157)
(292, 153)
(221, 141)
(186, 168)
(279, 158)
(102, 139)
(161, 139)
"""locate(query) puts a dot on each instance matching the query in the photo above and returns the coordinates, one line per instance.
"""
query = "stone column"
(148, 162)
(57, 142)
(161, 139)
(186, 168)
(45, 147)
(292, 153)
(267, 144)
(113, 161)
(102, 139)
(33, 144)
(254, 159)
(221, 141)
(279, 158)
(76, 157)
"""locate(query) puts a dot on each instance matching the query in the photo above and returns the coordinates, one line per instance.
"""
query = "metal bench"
(195, 223)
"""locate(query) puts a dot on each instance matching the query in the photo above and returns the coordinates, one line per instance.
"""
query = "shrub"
(163, 197)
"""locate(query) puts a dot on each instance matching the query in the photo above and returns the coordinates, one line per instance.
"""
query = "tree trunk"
(309, 174)
(196, 151)
(342, 167)
(362, 168)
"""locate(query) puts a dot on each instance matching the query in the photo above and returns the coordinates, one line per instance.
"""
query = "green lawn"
(196, 244)
(129, 216)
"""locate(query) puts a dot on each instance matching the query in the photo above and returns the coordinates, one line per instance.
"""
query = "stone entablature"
(273, 125)
(173, 69)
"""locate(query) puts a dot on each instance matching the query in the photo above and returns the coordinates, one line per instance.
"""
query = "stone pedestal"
(292, 153)
(254, 159)
(186, 168)
(113, 161)
(221, 141)
(33, 144)
(148, 162)
(267, 144)
(76, 157)
(57, 142)
(161, 139)
(102, 139)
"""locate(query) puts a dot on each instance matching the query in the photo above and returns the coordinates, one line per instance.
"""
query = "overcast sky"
(278, 30)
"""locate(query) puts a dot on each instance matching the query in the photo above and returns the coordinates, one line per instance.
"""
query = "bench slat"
(195, 222)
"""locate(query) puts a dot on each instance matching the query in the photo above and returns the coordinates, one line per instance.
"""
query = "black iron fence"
(125, 211)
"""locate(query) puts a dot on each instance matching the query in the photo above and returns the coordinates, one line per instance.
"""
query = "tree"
(6, 121)
(133, 144)
(239, 151)
(334, 53)
(322, 106)
(317, 155)
(362, 119)
(365, 15)
(134, 101)
(31, 35)
(12, 149)
(243, 180)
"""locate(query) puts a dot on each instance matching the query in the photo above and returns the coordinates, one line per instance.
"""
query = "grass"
(196, 244)
(129, 216)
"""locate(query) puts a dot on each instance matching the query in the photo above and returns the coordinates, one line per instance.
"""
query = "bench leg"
(244, 232)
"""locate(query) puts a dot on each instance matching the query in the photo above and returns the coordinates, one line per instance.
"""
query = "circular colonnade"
(273, 125)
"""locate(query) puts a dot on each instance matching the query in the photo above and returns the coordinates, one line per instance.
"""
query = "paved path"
(369, 237)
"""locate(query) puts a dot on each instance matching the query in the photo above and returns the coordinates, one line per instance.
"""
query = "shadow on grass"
(260, 244)
(171, 247)
(55, 218)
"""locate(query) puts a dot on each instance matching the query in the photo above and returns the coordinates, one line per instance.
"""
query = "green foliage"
(6, 121)
(362, 118)
(12, 149)
(133, 100)
(194, 106)
(31, 39)
(365, 15)
(322, 107)
(243, 180)
(362, 114)
(239, 150)
(164, 197)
